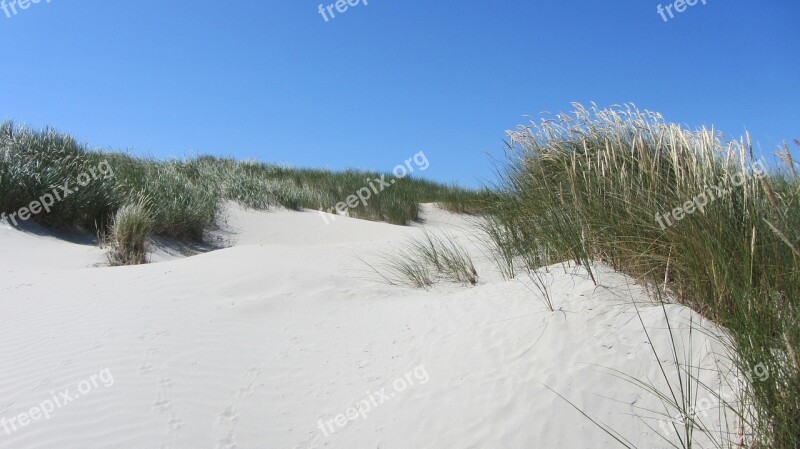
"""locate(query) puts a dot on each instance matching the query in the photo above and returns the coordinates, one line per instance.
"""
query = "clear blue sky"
(272, 80)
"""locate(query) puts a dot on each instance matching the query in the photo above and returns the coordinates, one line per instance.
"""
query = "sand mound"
(286, 340)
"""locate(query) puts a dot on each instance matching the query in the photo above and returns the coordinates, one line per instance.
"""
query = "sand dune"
(269, 343)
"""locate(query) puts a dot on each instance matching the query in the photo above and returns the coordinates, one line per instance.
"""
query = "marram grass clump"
(689, 212)
(132, 226)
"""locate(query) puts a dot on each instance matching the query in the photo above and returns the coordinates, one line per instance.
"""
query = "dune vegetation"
(596, 185)
(426, 260)
(182, 199)
(691, 214)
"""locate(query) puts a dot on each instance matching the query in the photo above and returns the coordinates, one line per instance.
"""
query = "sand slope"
(261, 344)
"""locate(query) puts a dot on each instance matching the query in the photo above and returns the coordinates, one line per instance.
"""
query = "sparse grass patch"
(426, 260)
(404, 269)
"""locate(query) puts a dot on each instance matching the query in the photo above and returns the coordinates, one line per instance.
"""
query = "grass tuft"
(132, 226)
(427, 260)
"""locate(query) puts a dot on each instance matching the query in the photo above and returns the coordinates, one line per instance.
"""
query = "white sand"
(254, 345)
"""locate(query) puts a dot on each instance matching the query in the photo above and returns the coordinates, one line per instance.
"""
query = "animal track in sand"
(163, 402)
(229, 418)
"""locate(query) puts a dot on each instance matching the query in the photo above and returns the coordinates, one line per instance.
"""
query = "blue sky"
(272, 80)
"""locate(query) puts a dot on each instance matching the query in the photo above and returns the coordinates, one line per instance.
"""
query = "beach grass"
(689, 211)
(129, 231)
(185, 196)
(425, 260)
